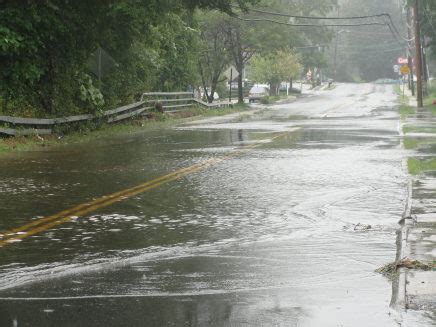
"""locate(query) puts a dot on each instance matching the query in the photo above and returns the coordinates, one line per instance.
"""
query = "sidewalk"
(418, 237)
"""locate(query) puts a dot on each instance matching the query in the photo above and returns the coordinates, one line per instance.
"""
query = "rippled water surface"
(266, 237)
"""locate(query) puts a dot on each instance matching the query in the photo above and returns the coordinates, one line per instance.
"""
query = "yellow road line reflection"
(45, 223)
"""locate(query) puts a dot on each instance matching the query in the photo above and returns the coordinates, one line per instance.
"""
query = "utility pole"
(230, 89)
(336, 50)
(409, 51)
(418, 60)
(424, 67)
(335, 58)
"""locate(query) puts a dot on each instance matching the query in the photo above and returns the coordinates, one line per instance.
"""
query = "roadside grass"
(411, 143)
(405, 111)
(428, 101)
(22, 143)
(329, 88)
(419, 129)
(89, 132)
(432, 89)
(272, 98)
(417, 166)
(414, 143)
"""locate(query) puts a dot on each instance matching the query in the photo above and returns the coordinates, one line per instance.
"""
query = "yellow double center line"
(45, 223)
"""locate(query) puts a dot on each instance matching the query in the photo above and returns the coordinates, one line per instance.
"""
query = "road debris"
(391, 269)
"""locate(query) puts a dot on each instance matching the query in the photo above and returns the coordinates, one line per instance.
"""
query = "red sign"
(402, 61)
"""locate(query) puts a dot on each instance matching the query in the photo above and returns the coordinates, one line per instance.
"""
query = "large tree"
(429, 22)
(45, 48)
(213, 56)
(254, 32)
(274, 68)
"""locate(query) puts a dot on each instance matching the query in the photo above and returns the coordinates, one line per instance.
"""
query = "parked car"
(284, 86)
(257, 92)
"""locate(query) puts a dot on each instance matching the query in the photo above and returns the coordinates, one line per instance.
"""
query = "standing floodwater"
(287, 232)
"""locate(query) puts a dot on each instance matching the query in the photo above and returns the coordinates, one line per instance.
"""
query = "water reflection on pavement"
(266, 238)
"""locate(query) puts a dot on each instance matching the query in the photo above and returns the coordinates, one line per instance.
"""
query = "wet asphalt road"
(266, 237)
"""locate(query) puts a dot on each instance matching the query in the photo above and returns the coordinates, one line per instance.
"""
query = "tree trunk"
(271, 89)
(203, 82)
(313, 78)
(47, 91)
(240, 67)
(211, 96)
(273, 86)
(213, 87)
(240, 86)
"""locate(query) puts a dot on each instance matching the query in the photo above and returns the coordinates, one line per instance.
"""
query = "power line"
(373, 50)
(390, 24)
(315, 17)
(393, 33)
(372, 46)
(362, 47)
(320, 25)
(307, 25)
(396, 30)
(371, 33)
(311, 46)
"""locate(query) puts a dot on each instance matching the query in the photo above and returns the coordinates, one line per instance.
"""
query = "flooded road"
(274, 233)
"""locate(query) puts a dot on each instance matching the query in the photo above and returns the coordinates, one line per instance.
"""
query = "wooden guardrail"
(170, 101)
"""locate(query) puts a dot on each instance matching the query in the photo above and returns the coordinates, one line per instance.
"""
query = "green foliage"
(88, 92)
(265, 69)
(50, 51)
(163, 59)
(289, 63)
(273, 68)
(406, 110)
(270, 99)
(410, 143)
(46, 46)
(247, 38)
(223, 5)
(432, 89)
(428, 9)
(417, 166)
(214, 56)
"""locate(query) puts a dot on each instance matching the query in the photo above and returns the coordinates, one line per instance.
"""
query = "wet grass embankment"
(415, 258)
(87, 132)
(419, 132)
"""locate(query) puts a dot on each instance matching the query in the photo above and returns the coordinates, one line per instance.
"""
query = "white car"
(257, 92)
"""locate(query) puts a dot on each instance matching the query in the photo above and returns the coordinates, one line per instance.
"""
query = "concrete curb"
(399, 299)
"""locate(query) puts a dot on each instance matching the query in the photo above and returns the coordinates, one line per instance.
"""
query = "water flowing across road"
(299, 205)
